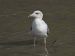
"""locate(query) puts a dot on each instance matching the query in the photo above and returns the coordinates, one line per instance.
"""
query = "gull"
(39, 27)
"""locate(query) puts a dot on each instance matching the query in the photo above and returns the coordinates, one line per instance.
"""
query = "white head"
(37, 14)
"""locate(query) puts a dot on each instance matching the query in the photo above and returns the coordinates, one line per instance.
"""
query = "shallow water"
(14, 27)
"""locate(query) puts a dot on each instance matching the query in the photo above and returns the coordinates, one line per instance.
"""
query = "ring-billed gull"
(39, 27)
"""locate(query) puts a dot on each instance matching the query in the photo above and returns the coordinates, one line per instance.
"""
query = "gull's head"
(36, 14)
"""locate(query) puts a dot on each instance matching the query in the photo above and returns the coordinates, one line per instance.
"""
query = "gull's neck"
(38, 18)
(37, 21)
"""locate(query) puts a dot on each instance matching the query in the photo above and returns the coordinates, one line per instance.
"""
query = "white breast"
(39, 27)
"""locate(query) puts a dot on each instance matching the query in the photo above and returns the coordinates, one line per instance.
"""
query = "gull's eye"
(37, 13)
